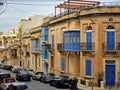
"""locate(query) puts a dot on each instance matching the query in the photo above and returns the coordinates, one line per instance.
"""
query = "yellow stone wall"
(98, 19)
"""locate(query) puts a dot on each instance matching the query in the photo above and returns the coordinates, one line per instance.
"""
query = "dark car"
(37, 75)
(18, 86)
(60, 81)
(47, 77)
(7, 67)
(23, 75)
(4, 75)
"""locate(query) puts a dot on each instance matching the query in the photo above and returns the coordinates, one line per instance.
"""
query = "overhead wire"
(22, 2)
(32, 4)
(2, 11)
(20, 10)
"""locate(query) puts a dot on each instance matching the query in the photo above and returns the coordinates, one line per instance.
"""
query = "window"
(39, 61)
(44, 33)
(44, 52)
(14, 53)
(110, 38)
(35, 44)
(63, 64)
(88, 68)
(52, 41)
(52, 62)
(89, 38)
(32, 60)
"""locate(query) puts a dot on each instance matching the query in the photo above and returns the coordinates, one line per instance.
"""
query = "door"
(45, 67)
(110, 75)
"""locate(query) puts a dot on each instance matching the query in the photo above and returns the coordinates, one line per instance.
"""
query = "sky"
(14, 10)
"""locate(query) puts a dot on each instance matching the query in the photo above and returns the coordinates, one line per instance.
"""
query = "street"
(36, 85)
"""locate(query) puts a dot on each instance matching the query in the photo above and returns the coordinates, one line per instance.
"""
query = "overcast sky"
(14, 12)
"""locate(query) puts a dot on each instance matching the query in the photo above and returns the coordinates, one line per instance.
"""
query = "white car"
(37, 75)
(18, 86)
(16, 68)
(6, 82)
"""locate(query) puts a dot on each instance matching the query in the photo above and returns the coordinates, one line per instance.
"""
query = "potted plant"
(99, 76)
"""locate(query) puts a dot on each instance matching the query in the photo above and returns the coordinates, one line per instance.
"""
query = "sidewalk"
(90, 88)
(96, 88)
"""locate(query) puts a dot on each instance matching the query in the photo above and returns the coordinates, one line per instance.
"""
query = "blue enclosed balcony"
(71, 40)
(44, 52)
(35, 45)
(44, 33)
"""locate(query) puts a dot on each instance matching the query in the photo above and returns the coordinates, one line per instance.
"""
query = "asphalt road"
(36, 85)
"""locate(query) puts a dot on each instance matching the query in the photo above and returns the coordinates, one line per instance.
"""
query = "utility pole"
(1, 3)
(3, 6)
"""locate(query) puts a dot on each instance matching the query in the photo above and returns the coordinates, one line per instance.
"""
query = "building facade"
(44, 45)
(86, 44)
(30, 41)
(10, 47)
(35, 48)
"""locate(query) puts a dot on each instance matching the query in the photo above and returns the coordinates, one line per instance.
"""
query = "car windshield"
(21, 87)
(24, 72)
(38, 73)
(51, 74)
(4, 76)
(10, 80)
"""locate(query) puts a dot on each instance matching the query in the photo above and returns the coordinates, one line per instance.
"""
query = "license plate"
(25, 79)
(66, 83)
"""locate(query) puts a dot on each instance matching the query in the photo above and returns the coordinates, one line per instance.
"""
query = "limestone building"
(85, 42)
(30, 41)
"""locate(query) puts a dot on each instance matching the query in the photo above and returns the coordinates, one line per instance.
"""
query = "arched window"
(110, 27)
(89, 28)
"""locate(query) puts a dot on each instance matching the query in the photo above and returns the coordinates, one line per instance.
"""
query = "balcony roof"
(78, 4)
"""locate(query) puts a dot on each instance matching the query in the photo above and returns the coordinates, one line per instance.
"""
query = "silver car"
(37, 75)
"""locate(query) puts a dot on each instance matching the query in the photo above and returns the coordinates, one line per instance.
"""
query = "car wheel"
(29, 79)
(50, 84)
(57, 86)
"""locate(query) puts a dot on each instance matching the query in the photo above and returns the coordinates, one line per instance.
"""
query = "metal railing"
(111, 46)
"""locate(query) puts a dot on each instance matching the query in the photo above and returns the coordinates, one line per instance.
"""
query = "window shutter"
(88, 68)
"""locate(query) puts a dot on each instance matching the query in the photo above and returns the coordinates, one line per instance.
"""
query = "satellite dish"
(3, 6)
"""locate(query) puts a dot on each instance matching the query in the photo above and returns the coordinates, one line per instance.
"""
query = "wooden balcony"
(111, 49)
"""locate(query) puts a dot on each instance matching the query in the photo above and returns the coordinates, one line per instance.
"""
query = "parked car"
(18, 86)
(47, 77)
(15, 69)
(30, 71)
(2, 76)
(1, 65)
(60, 81)
(6, 82)
(37, 75)
(23, 75)
(7, 67)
